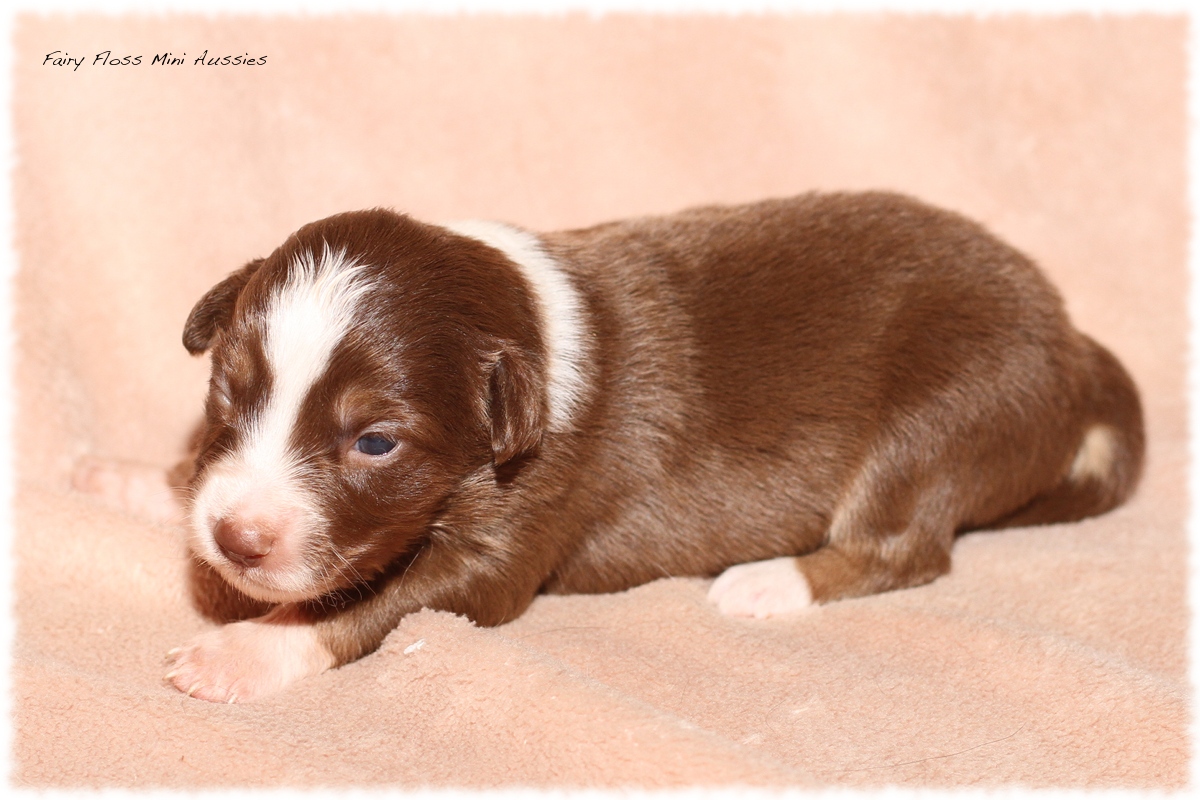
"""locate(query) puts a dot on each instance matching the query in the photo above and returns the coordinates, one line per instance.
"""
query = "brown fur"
(849, 378)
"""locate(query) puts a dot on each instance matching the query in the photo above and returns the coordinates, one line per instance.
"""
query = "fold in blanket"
(1049, 656)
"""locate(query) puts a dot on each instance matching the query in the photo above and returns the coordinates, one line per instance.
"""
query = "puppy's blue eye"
(374, 445)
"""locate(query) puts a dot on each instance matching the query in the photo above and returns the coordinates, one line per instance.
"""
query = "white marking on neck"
(558, 303)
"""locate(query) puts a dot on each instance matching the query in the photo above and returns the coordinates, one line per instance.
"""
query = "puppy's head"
(360, 373)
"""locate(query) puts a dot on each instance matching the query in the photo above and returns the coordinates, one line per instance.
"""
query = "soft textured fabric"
(1048, 657)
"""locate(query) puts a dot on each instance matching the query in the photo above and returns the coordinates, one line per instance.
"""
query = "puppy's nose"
(243, 541)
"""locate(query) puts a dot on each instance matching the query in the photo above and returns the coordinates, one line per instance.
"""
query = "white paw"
(245, 660)
(761, 589)
(139, 489)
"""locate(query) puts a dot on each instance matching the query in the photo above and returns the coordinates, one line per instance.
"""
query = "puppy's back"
(760, 360)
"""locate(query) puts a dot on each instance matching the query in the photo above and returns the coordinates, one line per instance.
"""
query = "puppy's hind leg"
(886, 534)
(762, 589)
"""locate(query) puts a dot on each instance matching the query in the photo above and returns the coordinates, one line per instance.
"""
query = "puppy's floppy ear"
(516, 405)
(214, 309)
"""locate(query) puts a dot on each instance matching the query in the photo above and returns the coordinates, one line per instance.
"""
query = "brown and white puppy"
(809, 397)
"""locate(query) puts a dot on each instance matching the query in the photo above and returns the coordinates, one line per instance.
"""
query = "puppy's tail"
(1108, 459)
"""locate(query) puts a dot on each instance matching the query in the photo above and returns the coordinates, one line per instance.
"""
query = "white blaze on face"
(259, 481)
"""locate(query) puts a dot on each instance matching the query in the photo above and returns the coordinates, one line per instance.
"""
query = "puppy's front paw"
(142, 490)
(245, 660)
(761, 589)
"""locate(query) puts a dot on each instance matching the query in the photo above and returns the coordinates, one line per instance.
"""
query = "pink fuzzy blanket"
(1049, 656)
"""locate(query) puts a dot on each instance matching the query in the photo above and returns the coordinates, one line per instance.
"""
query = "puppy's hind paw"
(761, 589)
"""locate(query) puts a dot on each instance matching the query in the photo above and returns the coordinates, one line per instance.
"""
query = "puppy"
(809, 397)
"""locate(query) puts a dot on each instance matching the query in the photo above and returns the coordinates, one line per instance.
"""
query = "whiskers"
(359, 581)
